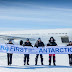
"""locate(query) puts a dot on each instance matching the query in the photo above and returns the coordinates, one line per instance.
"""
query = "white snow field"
(62, 63)
(17, 66)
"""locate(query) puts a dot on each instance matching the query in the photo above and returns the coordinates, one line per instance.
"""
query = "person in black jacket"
(70, 55)
(39, 43)
(52, 43)
(9, 55)
(27, 43)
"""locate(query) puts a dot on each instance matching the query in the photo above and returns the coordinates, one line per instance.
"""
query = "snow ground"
(17, 66)
(62, 63)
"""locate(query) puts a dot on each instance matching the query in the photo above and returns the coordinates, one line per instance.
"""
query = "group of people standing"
(39, 43)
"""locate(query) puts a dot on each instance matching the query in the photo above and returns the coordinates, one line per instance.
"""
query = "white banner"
(7, 48)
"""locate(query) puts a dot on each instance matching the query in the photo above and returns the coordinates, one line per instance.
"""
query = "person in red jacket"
(52, 43)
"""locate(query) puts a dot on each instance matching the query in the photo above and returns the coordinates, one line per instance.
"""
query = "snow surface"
(17, 66)
(62, 63)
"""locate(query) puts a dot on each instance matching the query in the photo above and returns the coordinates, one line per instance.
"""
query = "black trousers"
(50, 57)
(70, 57)
(9, 58)
(26, 56)
(36, 59)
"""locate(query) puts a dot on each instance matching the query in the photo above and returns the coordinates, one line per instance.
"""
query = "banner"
(7, 48)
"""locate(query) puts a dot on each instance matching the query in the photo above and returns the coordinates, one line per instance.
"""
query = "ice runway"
(17, 66)
(62, 63)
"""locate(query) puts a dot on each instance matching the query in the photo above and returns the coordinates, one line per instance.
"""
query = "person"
(70, 55)
(26, 56)
(39, 43)
(21, 42)
(52, 43)
(9, 55)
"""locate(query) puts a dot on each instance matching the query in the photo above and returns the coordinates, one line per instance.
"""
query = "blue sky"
(35, 14)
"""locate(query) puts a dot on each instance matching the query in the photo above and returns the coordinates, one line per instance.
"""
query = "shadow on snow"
(34, 67)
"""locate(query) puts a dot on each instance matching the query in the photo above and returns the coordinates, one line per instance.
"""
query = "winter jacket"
(39, 44)
(52, 44)
(27, 44)
(69, 45)
(12, 44)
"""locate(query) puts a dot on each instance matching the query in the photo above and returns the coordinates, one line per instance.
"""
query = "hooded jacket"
(52, 43)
